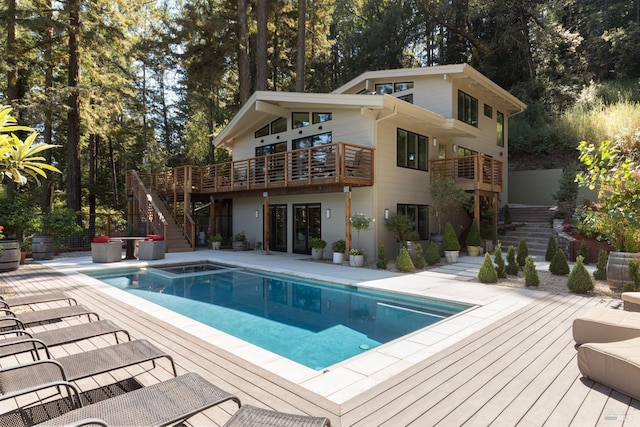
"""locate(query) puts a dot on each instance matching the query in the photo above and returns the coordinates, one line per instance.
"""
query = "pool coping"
(345, 380)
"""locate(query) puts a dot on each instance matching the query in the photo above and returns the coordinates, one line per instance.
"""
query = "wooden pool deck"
(520, 370)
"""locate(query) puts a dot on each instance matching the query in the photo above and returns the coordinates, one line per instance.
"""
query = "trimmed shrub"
(507, 215)
(473, 238)
(530, 274)
(552, 248)
(583, 251)
(580, 280)
(512, 266)
(601, 265)
(559, 265)
(432, 255)
(523, 253)
(634, 273)
(499, 261)
(418, 262)
(381, 264)
(403, 262)
(487, 273)
(450, 240)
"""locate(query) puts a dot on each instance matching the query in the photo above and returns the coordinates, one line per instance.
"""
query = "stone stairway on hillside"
(533, 224)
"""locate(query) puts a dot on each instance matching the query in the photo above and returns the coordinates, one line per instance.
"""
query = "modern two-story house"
(303, 163)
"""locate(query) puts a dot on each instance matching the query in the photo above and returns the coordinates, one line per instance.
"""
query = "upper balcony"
(472, 173)
(322, 168)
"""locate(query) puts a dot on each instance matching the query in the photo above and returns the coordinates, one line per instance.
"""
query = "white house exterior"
(392, 124)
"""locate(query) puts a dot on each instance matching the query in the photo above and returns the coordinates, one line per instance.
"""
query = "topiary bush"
(512, 265)
(418, 262)
(531, 277)
(523, 253)
(507, 215)
(450, 240)
(634, 273)
(403, 262)
(381, 263)
(583, 251)
(552, 248)
(580, 280)
(559, 265)
(601, 265)
(432, 255)
(499, 261)
(473, 238)
(487, 273)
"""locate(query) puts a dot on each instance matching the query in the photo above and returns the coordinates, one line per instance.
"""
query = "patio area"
(509, 361)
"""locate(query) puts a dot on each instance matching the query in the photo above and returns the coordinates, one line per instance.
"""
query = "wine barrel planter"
(42, 247)
(617, 268)
(9, 255)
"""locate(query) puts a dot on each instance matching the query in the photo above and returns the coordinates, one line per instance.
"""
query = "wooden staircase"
(176, 241)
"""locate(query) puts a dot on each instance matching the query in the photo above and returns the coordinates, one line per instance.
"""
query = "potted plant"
(450, 244)
(317, 247)
(338, 247)
(473, 240)
(215, 240)
(360, 222)
(239, 242)
(356, 257)
(57, 226)
(568, 191)
(446, 197)
(402, 227)
(25, 249)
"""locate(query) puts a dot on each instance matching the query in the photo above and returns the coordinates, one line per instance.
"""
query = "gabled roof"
(264, 106)
(456, 71)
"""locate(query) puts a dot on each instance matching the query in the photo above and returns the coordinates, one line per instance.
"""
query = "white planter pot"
(451, 256)
(338, 257)
(356, 260)
(216, 245)
(316, 253)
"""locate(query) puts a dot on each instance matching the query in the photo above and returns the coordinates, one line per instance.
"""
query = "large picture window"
(412, 150)
(312, 141)
(419, 215)
(467, 108)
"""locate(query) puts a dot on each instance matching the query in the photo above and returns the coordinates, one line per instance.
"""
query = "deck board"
(520, 370)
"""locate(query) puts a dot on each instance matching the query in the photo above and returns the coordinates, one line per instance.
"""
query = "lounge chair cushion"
(615, 365)
(631, 301)
(101, 239)
(606, 325)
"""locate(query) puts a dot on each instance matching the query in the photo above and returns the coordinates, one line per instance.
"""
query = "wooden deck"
(518, 371)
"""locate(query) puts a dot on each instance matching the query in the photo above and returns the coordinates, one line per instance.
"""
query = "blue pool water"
(313, 323)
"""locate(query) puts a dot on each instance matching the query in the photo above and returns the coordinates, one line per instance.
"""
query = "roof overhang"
(464, 72)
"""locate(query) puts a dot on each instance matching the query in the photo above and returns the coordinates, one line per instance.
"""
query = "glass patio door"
(306, 224)
(278, 228)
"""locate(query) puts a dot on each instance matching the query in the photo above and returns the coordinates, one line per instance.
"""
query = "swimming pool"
(316, 324)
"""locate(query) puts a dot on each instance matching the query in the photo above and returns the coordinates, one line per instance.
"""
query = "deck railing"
(471, 172)
(340, 162)
(151, 212)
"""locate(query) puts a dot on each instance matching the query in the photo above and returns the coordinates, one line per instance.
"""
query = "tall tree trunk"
(301, 45)
(261, 46)
(74, 200)
(94, 143)
(45, 201)
(244, 73)
(114, 173)
(12, 63)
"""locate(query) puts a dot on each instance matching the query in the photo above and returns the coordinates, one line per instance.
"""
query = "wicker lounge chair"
(12, 320)
(37, 299)
(249, 415)
(80, 365)
(165, 403)
(9, 344)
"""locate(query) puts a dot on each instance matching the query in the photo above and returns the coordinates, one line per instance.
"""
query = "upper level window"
(383, 88)
(279, 125)
(488, 111)
(312, 141)
(407, 98)
(412, 150)
(321, 117)
(399, 87)
(500, 129)
(467, 108)
(278, 147)
(299, 120)
(263, 131)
